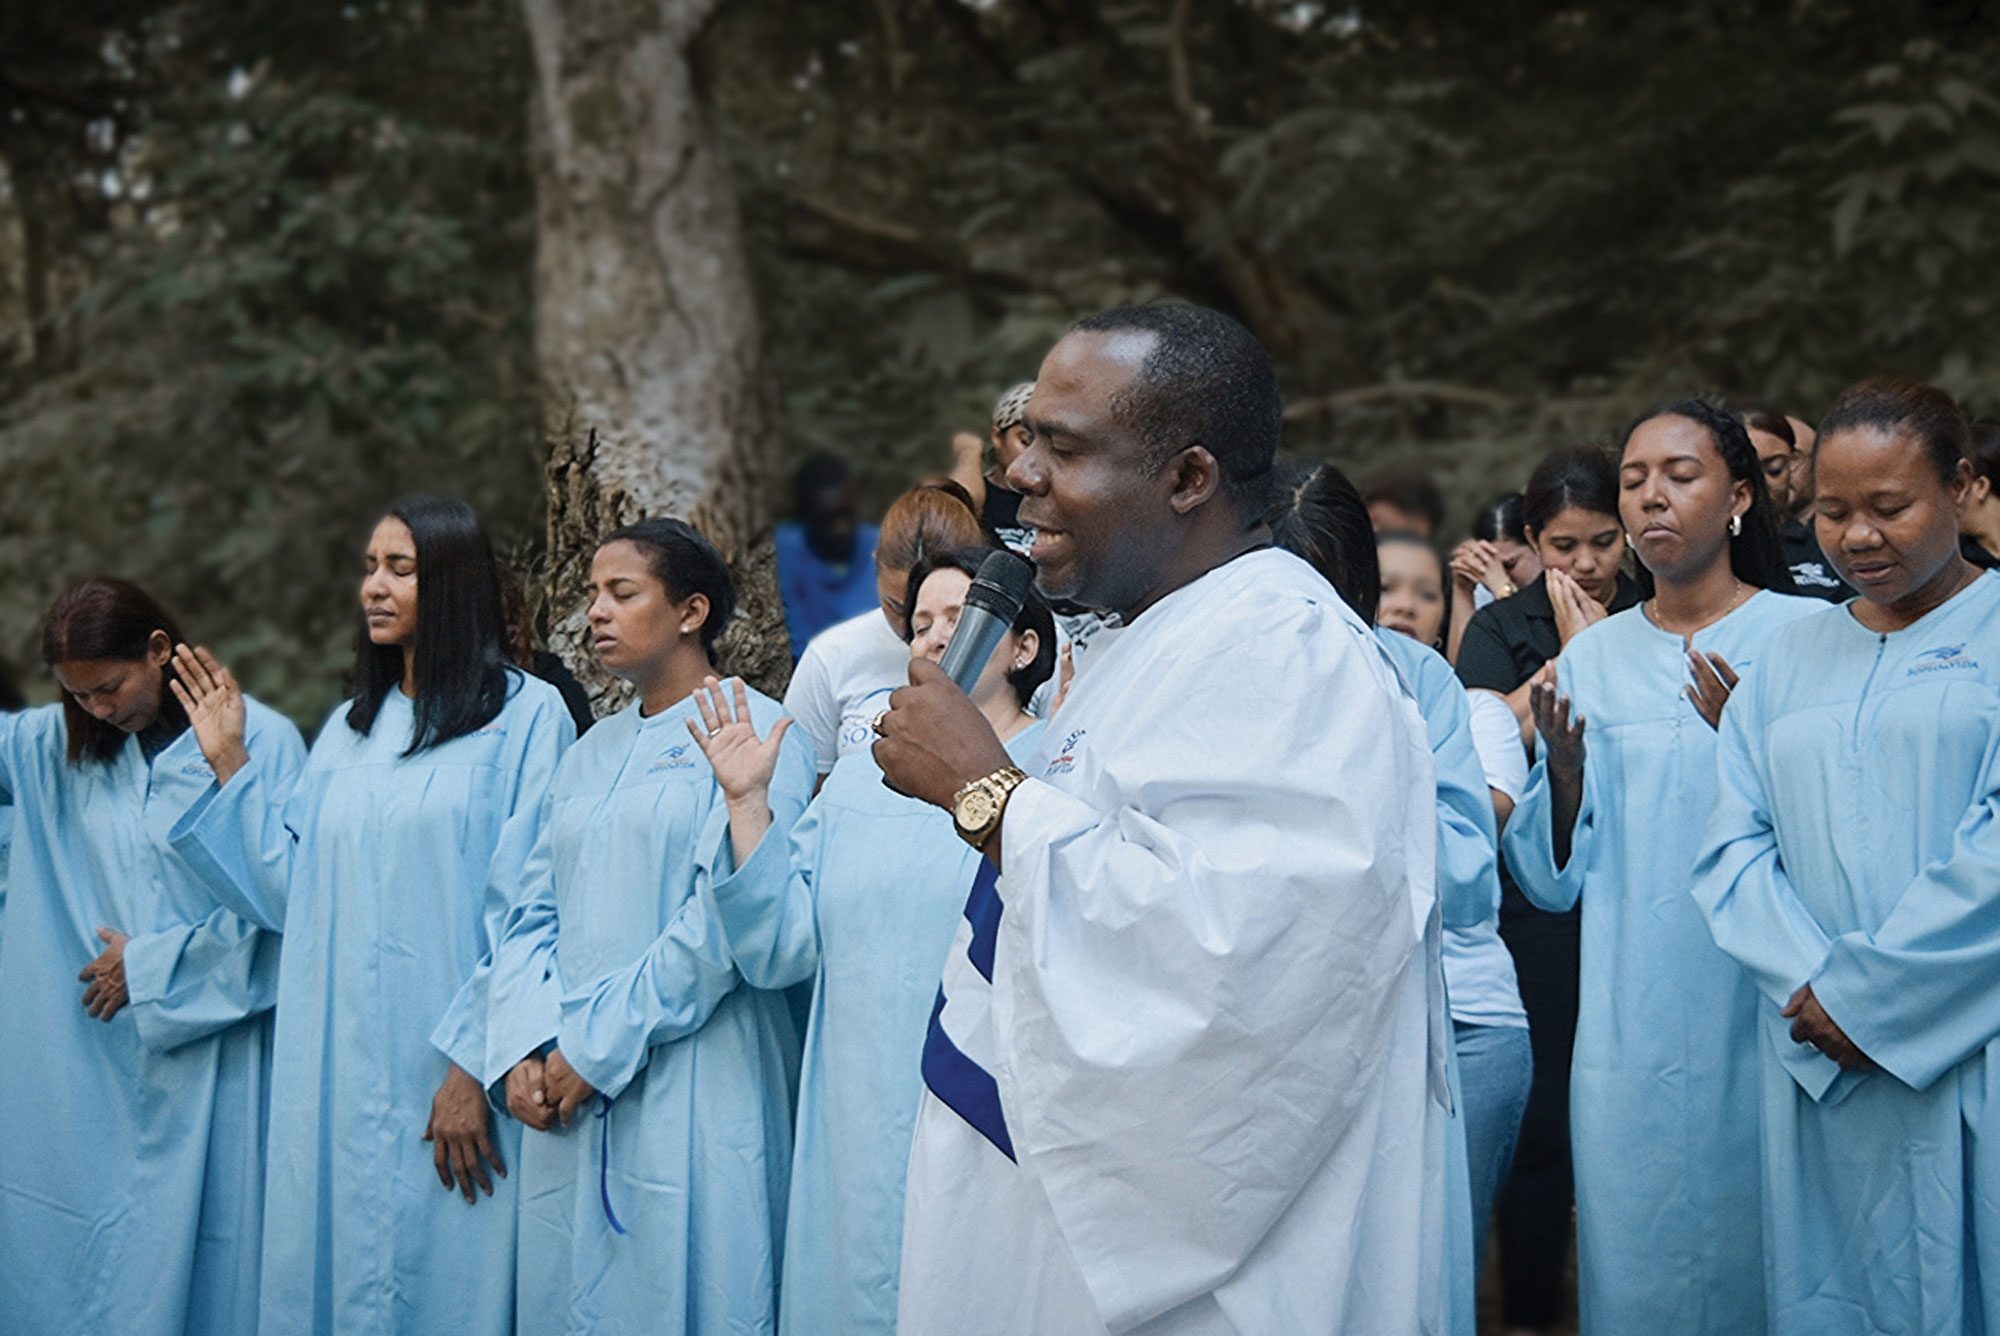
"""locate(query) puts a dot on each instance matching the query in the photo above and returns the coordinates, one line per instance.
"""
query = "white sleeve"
(1497, 735)
(810, 700)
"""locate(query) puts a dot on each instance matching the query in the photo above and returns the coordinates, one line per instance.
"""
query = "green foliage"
(310, 293)
(286, 251)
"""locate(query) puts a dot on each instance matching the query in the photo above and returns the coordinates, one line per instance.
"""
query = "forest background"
(264, 266)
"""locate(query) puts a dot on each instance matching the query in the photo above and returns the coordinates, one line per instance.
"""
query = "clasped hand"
(1811, 1025)
(107, 993)
(934, 741)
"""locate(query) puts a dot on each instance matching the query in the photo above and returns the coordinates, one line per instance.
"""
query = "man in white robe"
(1181, 1074)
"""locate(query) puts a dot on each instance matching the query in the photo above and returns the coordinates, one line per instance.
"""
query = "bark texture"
(656, 395)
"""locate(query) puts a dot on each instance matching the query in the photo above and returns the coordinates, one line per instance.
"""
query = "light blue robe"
(864, 900)
(1856, 847)
(388, 876)
(131, 1172)
(1468, 872)
(1663, 1085)
(615, 954)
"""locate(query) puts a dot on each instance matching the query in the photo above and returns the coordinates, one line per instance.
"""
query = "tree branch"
(1399, 391)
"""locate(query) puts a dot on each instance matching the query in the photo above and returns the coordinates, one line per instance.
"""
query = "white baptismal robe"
(1180, 1076)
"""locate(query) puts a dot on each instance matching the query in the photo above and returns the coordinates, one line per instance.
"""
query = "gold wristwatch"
(977, 807)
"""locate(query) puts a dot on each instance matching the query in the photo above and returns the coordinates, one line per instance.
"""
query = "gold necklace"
(1743, 591)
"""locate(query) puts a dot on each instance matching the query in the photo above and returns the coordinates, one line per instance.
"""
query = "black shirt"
(1812, 574)
(1969, 548)
(1509, 640)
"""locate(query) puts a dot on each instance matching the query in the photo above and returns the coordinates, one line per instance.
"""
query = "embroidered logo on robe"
(1064, 760)
(1942, 659)
(676, 758)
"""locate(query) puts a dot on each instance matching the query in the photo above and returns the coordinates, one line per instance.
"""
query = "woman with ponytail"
(1663, 1089)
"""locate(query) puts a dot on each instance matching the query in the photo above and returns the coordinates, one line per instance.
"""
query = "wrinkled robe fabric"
(1468, 887)
(1664, 1090)
(863, 901)
(131, 1197)
(388, 876)
(1856, 847)
(1187, 1061)
(661, 1208)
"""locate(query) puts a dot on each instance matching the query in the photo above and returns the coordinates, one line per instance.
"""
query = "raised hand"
(459, 1135)
(527, 1094)
(1713, 680)
(742, 761)
(214, 705)
(107, 993)
(1562, 735)
(565, 1091)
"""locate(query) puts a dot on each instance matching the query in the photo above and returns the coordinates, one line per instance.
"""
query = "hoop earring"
(1735, 526)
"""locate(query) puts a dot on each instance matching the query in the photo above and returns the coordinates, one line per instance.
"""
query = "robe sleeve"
(1197, 990)
(1530, 842)
(1468, 867)
(1921, 993)
(193, 980)
(237, 839)
(767, 905)
(610, 1026)
(547, 732)
(1742, 889)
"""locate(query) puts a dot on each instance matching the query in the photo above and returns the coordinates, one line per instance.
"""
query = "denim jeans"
(1495, 1068)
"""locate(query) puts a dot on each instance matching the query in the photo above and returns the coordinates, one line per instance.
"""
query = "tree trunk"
(657, 401)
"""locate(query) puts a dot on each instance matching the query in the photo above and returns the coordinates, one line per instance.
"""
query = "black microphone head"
(1002, 585)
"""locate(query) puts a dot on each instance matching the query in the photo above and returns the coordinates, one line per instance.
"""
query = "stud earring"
(1735, 526)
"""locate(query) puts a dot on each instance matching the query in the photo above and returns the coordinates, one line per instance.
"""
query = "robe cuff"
(211, 837)
(1892, 1053)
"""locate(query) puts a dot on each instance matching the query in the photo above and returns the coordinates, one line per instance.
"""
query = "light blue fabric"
(1663, 1085)
(1468, 876)
(131, 1174)
(864, 901)
(1856, 848)
(388, 875)
(615, 954)
(1496, 1065)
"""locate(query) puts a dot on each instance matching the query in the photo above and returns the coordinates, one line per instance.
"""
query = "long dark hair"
(1326, 524)
(461, 639)
(1034, 616)
(108, 619)
(685, 563)
(1583, 478)
(1757, 554)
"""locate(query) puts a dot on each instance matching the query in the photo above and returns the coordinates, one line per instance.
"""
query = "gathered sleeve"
(609, 1027)
(191, 980)
(1203, 960)
(1741, 887)
(1921, 993)
(768, 906)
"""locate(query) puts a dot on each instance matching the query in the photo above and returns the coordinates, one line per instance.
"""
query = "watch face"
(976, 809)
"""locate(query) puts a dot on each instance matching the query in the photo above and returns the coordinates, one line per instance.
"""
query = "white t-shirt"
(844, 680)
(1478, 968)
(843, 668)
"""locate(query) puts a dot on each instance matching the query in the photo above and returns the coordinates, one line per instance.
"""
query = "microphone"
(991, 605)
